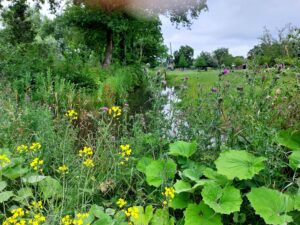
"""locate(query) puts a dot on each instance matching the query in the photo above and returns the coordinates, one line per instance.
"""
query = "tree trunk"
(123, 49)
(109, 47)
(141, 52)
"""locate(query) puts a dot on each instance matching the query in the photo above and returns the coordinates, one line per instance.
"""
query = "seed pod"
(240, 88)
(220, 100)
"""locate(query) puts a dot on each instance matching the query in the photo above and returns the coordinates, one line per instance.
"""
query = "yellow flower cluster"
(63, 169)
(67, 220)
(72, 115)
(132, 212)
(22, 148)
(125, 153)
(17, 218)
(169, 193)
(36, 205)
(4, 160)
(89, 163)
(115, 111)
(36, 164)
(78, 220)
(37, 219)
(86, 154)
(34, 147)
(121, 203)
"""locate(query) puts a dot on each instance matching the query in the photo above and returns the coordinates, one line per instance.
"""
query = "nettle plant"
(211, 197)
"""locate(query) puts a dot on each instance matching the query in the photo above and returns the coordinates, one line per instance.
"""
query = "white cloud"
(234, 24)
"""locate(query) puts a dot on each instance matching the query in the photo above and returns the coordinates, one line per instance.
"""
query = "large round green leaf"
(289, 139)
(3, 185)
(160, 170)
(271, 205)
(181, 148)
(143, 163)
(161, 217)
(297, 202)
(214, 176)
(182, 186)
(240, 164)
(224, 200)
(180, 201)
(144, 215)
(201, 214)
(5, 196)
(294, 160)
(51, 188)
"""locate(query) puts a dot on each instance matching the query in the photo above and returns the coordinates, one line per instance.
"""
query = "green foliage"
(263, 199)
(289, 139)
(18, 22)
(183, 58)
(180, 201)
(159, 171)
(162, 217)
(182, 186)
(181, 148)
(51, 188)
(5, 196)
(223, 57)
(294, 160)
(224, 200)
(239, 164)
(201, 214)
(283, 49)
(145, 216)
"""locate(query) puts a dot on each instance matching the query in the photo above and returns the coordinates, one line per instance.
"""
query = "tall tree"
(179, 11)
(184, 51)
(114, 12)
(17, 21)
(223, 57)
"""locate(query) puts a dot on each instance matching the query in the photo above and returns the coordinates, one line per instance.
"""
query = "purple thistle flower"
(214, 90)
(104, 108)
(225, 71)
(126, 105)
(185, 78)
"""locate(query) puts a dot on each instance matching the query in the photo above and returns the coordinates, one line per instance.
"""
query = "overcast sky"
(234, 24)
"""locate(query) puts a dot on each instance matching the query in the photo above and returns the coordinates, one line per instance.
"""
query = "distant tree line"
(283, 49)
(184, 58)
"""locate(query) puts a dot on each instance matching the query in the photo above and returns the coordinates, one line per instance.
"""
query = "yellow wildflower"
(89, 163)
(72, 115)
(86, 151)
(36, 205)
(115, 111)
(169, 192)
(36, 164)
(18, 212)
(22, 148)
(63, 169)
(80, 218)
(4, 160)
(125, 150)
(121, 202)
(35, 146)
(66, 220)
(132, 212)
(38, 219)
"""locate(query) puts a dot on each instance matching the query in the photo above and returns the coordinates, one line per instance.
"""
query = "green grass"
(200, 81)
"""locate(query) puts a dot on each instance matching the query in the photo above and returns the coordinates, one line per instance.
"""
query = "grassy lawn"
(202, 81)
